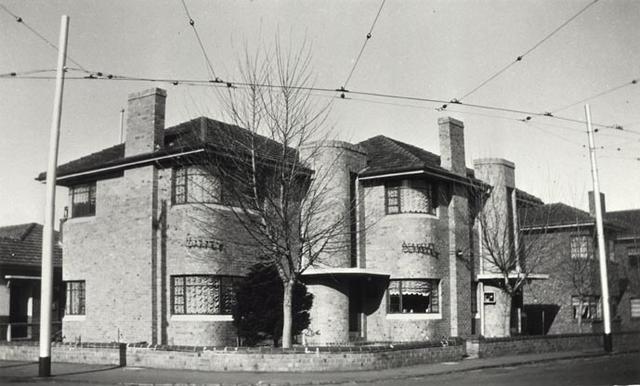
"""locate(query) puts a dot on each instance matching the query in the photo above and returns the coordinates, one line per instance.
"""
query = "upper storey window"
(581, 247)
(193, 184)
(410, 196)
(83, 200)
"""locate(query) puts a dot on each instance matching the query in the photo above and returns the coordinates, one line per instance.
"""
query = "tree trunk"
(579, 312)
(287, 322)
(507, 315)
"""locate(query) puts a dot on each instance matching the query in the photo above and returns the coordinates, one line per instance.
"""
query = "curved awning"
(343, 272)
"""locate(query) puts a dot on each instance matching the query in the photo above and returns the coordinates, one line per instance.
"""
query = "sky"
(427, 49)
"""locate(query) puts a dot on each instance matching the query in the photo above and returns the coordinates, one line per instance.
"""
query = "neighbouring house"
(628, 255)
(20, 263)
(570, 301)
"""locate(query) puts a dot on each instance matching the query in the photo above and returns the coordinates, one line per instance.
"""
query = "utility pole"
(604, 282)
(46, 283)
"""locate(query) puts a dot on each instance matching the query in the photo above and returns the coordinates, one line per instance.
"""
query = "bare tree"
(270, 184)
(511, 242)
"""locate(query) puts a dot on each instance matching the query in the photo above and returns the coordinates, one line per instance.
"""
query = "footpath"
(26, 372)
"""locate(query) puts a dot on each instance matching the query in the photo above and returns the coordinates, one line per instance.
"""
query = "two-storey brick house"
(146, 269)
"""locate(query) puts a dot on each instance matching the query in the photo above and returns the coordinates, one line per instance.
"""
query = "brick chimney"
(592, 203)
(145, 122)
(451, 136)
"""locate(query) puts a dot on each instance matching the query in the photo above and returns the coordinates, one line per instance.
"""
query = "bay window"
(410, 196)
(419, 296)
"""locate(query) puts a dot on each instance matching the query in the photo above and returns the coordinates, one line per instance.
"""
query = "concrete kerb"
(434, 371)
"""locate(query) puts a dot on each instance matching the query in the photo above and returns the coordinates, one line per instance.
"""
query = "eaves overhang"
(441, 174)
(121, 164)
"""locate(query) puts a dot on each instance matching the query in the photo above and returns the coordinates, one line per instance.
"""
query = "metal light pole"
(604, 283)
(46, 284)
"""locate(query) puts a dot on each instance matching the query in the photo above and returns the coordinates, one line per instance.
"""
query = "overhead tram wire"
(520, 57)
(369, 35)
(192, 23)
(20, 20)
(199, 82)
(602, 93)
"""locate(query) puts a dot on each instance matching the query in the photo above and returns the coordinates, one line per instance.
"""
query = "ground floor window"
(635, 307)
(202, 294)
(75, 297)
(419, 296)
(590, 308)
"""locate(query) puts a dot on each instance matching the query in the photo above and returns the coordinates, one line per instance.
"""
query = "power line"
(24, 73)
(192, 23)
(231, 84)
(605, 92)
(364, 44)
(527, 52)
(35, 32)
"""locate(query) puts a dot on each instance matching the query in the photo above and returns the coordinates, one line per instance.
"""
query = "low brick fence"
(495, 347)
(243, 359)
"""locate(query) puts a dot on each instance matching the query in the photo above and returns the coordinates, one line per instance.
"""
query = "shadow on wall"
(539, 318)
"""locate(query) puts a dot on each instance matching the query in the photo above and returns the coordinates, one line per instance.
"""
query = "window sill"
(412, 215)
(413, 316)
(202, 318)
(77, 220)
(73, 318)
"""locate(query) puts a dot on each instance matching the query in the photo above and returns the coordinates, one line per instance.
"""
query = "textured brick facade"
(137, 240)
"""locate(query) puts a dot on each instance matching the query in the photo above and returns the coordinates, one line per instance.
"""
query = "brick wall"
(494, 347)
(228, 359)
(383, 242)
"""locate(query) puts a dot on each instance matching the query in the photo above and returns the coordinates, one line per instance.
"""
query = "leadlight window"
(417, 296)
(194, 184)
(581, 247)
(590, 308)
(410, 196)
(83, 200)
(202, 294)
(75, 298)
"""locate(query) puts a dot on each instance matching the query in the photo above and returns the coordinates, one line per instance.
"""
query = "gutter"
(128, 164)
(459, 179)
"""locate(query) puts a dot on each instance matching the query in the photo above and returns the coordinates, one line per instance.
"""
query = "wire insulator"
(175, 82)
(19, 19)
(369, 36)
(192, 22)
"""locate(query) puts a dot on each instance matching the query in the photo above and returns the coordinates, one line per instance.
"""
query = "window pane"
(580, 247)
(416, 197)
(83, 200)
(75, 302)
(413, 296)
(394, 296)
(180, 193)
(393, 199)
(203, 294)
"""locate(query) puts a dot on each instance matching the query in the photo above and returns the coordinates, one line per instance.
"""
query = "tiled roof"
(22, 245)
(196, 133)
(387, 155)
(552, 215)
(629, 219)
(521, 195)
